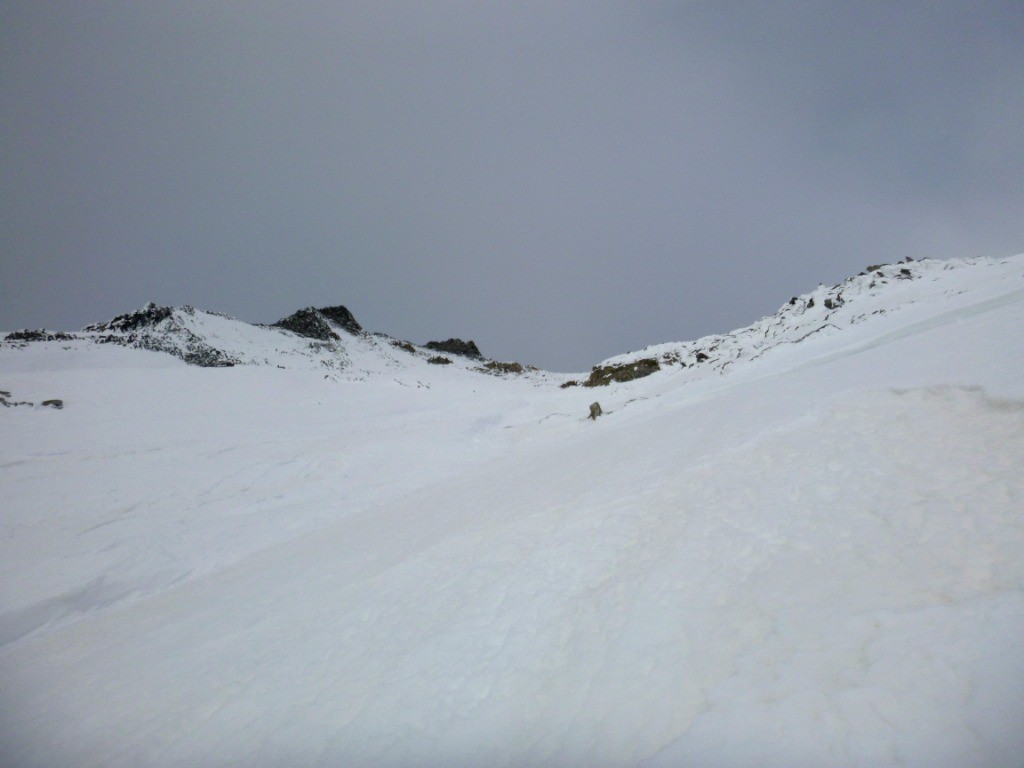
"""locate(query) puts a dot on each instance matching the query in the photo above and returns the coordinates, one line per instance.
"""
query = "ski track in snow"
(814, 559)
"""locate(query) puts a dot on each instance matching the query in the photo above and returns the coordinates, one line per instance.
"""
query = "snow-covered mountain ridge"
(927, 286)
(327, 339)
(331, 340)
(805, 549)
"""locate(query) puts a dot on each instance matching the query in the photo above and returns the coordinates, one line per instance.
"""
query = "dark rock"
(310, 323)
(40, 335)
(456, 347)
(189, 347)
(701, 357)
(493, 366)
(159, 329)
(58, 404)
(875, 267)
(834, 303)
(810, 303)
(342, 317)
(570, 383)
(10, 403)
(194, 352)
(147, 317)
(313, 323)
(438, 360)
(603, 375)
(404, 346)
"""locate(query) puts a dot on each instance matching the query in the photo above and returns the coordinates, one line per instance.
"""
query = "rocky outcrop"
(309, 323)
(148, 317)
(456, 347)
(603, 375)
(493, 366)
(405, 346)
(7, 402)
(161, 329)
(318, 324)
(181, 343)
(340, 316)
(40, 335)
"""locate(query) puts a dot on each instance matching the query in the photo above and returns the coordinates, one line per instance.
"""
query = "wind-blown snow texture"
(806, 549)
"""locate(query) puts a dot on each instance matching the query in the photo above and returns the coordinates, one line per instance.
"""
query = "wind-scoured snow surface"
(806, 549)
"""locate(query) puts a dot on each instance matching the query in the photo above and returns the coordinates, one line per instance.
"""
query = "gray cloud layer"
(560, 181)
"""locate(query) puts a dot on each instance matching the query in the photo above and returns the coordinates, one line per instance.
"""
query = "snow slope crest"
(330, 340)
(910, 290)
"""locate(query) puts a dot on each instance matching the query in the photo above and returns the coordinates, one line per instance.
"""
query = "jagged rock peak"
(163, 329)
(339, 315)
(456, 347)
(309, 323)
(316, 323)
(147, 317)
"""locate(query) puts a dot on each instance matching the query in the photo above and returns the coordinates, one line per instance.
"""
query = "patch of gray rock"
(7, 402)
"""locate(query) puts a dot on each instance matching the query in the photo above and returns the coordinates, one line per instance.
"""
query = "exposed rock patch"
(7, 402)
(313, 323)
(40, 335)
(340, 316)
(149, 316)
(405, 346)
(456, 347)
(603, 375)
(493, 366)
(160, 329)
(309, 323)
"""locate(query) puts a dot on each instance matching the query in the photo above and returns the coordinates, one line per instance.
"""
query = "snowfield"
(804, 549)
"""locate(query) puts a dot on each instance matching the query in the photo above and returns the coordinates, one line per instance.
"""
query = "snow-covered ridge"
(330, 340)
(930, 285)
(326, 339)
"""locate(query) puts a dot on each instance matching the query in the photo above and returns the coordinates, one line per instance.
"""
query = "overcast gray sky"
(560, 181)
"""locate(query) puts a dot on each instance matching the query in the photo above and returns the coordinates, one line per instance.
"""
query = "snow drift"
(800, 543)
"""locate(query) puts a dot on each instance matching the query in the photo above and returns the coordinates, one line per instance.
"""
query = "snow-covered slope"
(805, 549)
(842, 316)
